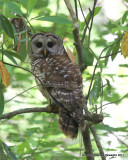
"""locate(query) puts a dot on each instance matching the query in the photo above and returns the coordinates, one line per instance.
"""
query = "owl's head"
(44, 44)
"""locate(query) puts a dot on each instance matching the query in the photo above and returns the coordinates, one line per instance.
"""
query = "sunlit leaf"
(4, 74)
(13, 7)
(124, 45)
(55, 19)
(97, 10)
(6, 25)
(31, 4)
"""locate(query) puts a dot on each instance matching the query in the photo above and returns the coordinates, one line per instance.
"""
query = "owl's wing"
(64, 79)
(64, 82)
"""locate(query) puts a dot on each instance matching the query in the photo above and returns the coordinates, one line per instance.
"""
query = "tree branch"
(99, 146)
(26, 110)
(87, 144)
(94, 118)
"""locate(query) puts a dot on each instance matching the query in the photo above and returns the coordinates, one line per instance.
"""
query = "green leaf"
(124, 17)
(116, 24)
(55, 19)
(115, 49)
(11, 58)
(105, 127)
(97, 10)
(13, 7)
(31, 4)
(6, 25)
(1, 101)
(87, 56)
(111, 129)
(124, 65)
(10, 53)
(2, 154)
(96, 90)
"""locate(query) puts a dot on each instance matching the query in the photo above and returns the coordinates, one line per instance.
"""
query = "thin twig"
(112, 102)
(91, 12)
(85, 29)
(20, 93)
(92, 80)
(125, 3)
(102, 93)
(23, 69)
(82, 11)
(119, 139)
(110, 54)
(99, 146)
(115, 101)
(75, 1)
(29, 23)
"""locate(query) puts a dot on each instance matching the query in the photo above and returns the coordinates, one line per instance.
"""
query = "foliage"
(36, 135)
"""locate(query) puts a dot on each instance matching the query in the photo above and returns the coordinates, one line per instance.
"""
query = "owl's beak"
(45, 52)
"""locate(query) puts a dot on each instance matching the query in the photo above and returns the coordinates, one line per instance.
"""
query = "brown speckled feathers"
(61, 83)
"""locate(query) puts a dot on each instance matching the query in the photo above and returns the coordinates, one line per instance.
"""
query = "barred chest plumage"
(58, 71)
(35, 68)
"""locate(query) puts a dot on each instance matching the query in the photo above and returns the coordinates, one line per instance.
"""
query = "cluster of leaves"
(36, 135)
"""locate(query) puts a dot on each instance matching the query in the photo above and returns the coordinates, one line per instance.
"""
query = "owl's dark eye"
(39, 44)
(50, 44)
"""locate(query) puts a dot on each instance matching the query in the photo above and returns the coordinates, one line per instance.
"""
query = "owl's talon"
(52, 108)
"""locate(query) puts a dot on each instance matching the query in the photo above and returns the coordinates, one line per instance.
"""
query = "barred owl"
(59, 80)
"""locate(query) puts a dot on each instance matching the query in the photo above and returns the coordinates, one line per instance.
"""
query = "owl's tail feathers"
(68, 125)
